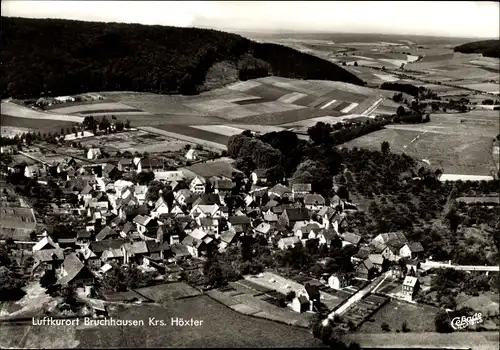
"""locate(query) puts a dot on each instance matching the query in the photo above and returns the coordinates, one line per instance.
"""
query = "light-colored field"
(454, 153)
(219, 129)
(15, 110)
(71, 137)
(244, 85)
(350, 107)
(394, 62)
(92, 107)
(386, 77)
(292, 97)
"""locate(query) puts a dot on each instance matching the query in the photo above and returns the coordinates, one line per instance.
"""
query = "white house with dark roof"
(197, 185)
(191, 154)
(411, 250)
(288, 242)
(410, 287)
(93, 153)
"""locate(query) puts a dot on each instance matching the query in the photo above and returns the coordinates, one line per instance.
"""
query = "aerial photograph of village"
(244, 174)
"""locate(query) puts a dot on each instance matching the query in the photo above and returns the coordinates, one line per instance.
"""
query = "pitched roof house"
(74, 272)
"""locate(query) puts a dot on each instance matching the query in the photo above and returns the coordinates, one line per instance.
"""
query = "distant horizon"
(268, 32)
(444, 19)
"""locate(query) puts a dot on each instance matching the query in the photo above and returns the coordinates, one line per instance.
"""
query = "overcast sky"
(460, 19)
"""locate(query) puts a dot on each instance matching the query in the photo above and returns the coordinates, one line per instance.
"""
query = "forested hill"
(489, 48)
(60, 57)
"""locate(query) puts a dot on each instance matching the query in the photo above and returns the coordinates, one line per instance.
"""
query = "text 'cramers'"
(180, 322)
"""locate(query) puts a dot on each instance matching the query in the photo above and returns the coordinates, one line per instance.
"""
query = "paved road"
(435, 264)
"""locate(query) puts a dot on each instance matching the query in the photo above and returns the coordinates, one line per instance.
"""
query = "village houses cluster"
(122, 226)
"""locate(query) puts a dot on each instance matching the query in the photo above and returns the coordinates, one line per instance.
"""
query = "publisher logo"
(464, 322)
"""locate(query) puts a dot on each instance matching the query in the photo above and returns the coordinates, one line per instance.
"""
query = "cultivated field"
(15, 110)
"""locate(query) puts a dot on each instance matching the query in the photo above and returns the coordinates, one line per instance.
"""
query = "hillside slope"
(489, 48)
(59, 57)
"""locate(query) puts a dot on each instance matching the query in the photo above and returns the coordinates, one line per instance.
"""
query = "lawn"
(169, 291)
(222, 327)
(455, 153)
(419, 318)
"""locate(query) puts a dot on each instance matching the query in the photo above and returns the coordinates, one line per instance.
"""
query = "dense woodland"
(61, 57)
(488, 48)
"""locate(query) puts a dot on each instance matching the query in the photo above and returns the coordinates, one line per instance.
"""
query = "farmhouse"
(258, 175)
(74, 272)
(280, 191)
(197, 185)
(411, 250)
(314, 201)
(191, 154)
(294, 216)
(365, 270)
(339, 281)
(288, 242)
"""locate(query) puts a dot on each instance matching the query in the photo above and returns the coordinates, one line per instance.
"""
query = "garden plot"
(133, 141)
(99, 107)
